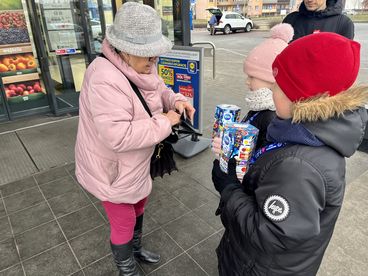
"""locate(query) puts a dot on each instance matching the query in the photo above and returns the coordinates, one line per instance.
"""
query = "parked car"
(349, 12)
(230, 21)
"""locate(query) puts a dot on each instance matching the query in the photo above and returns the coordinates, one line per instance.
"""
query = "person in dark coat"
(320, 16)
(280, 219)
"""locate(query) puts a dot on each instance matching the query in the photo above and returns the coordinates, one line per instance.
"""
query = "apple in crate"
(19, 90)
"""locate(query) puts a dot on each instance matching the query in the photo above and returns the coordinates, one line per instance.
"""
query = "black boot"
(139, 252)
(124, 259)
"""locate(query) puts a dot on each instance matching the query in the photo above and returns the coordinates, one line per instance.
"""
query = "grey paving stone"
(5, 231)
(194, 195)
(207, 213)
(79, 273)
(160, 242)
(101, 209)
(68, 202)
(181, 266)
(80, 221)
(166, 209)
(15, 161)
(2, 209)
(23, 200)
(39, 239)
(149, 224)
(92, 245)
(58, 261)
(188, 230)
(205, 255)
(200, 170)
(32, 217)
(55, 150)
(8, 254)
(156, 193)
(17, 186)
(51, 175)
(59, 187)
(13, 271)
(103, 267)
(90, 196)
(174, 181)
(70, 168)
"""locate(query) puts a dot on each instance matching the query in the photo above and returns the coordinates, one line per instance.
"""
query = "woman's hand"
(216, 145)
(189, 109)
(173, 117)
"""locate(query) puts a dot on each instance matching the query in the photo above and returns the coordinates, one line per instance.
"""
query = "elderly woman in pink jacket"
(116, 136)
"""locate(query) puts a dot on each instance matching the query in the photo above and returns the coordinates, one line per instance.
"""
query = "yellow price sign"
(167, 74)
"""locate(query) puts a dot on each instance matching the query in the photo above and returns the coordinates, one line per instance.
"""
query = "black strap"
(136, 90)
(139, 95)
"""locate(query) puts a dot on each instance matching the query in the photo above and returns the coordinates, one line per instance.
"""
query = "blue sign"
(180, 71)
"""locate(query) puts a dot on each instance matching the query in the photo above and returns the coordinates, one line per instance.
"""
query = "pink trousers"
(122, 219)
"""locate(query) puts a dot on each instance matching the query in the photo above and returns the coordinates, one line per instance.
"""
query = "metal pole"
(214, 55)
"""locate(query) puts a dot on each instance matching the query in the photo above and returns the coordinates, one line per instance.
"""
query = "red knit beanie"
(316, 64)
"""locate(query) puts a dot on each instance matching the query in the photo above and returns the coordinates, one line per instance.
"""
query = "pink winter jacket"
(116, 136)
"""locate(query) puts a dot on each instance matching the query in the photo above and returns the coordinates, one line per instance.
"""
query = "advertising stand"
(182, 71)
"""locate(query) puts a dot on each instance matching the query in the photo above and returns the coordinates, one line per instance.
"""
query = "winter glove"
(221, 179)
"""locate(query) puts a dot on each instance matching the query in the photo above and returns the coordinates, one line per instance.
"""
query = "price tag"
(25, 98)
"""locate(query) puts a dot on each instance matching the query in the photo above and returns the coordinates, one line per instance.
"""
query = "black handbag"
(162, 160)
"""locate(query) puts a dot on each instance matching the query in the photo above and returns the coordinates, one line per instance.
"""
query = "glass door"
(72, 32)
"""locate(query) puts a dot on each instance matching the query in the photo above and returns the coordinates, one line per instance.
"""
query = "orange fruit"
(29, 56)
(14, 60)
(21, 66)
(6, 61)
(31, 64)
(12, 67)
(3, 68)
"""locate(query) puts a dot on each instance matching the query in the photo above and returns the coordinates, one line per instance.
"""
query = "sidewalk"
(49, 226)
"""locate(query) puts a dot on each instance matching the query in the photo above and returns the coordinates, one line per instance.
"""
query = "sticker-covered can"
(238, 141)
(225, 113)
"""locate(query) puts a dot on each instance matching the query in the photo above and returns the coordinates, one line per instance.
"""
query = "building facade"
(254, 8)
(269, 7)
(46, 46)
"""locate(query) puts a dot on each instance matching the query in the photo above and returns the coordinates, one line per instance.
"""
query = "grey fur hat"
(137, 31)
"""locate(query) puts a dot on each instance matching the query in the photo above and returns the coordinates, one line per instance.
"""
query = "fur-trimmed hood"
(338, 121)
(323, 107)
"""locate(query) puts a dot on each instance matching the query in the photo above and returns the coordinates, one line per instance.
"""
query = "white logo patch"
(276, 208)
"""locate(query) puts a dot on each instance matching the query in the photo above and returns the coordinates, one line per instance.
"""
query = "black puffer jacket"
(283, 223)
(306, 22)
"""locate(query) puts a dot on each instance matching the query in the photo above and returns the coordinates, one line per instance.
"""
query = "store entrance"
(72, 32)
(45, 48)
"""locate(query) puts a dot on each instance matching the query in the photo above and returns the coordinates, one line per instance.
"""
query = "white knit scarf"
(260, 99)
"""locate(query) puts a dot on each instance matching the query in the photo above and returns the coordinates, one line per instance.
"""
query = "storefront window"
(22, 87)
(165, 9)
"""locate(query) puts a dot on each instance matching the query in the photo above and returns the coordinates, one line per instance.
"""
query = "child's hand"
(216, 145)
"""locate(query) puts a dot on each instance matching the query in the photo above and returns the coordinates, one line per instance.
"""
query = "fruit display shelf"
(21, 99)
(17, 60)
(23, 88)
(20, 78)
(13, 27)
